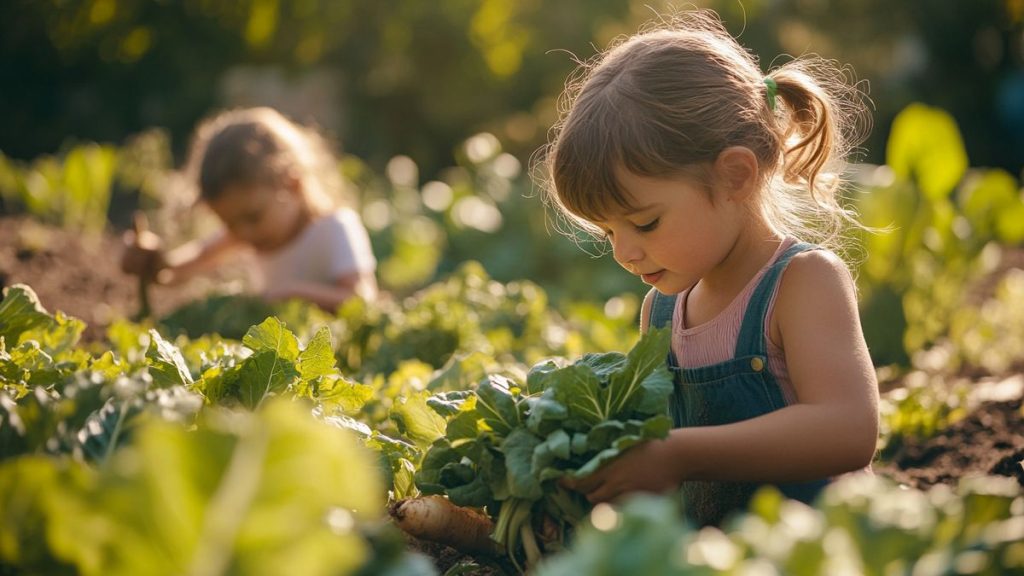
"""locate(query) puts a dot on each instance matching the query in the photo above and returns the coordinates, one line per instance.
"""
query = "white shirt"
(332, 246)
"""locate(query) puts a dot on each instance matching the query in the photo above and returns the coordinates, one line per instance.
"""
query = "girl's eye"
(649, 226)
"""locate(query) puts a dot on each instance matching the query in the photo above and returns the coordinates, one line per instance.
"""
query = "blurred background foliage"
(391, 77)
(439, 106)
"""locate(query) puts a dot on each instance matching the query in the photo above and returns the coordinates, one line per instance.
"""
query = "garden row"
(278, 451)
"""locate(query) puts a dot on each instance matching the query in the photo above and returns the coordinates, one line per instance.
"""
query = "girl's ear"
(736, 172)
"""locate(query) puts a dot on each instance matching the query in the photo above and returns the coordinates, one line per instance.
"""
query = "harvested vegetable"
(436, 519)
(506, 446)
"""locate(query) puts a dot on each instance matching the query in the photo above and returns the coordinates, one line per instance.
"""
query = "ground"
(82, 278)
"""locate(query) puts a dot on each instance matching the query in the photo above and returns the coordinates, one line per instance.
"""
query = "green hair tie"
(771, 90)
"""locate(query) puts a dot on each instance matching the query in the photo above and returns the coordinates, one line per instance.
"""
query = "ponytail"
(819, 120)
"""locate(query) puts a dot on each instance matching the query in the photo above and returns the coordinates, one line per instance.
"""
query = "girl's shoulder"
(816, 267)
(336, 219)
(815, 284)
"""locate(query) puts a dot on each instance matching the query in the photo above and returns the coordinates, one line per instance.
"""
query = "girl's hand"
(143, 255)
(646, 467)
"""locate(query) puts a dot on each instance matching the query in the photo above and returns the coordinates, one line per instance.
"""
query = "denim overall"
(727, 392)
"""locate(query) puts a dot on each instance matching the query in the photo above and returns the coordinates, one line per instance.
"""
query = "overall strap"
(751, 341)
(662, 309)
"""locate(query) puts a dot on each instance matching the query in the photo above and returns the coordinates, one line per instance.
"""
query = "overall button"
(757, 364)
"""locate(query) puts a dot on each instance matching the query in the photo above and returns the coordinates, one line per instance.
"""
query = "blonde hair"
(255, 146)
(666, 101)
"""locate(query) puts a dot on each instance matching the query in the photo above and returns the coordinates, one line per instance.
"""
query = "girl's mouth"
(652, 278)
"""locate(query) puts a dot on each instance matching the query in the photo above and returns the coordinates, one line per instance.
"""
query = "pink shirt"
(715, 340)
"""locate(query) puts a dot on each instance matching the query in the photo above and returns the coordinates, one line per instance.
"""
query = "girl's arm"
(327, 296)
(144, 256)
(831, 429)
(197, 257)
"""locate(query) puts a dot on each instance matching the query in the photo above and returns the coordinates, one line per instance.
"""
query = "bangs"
(592, 146)
(616, 129)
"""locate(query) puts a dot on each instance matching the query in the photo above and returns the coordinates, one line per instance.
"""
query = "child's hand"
(646, 467)
(143, 255)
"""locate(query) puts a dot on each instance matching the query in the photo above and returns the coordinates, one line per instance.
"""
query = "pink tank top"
(715, 340)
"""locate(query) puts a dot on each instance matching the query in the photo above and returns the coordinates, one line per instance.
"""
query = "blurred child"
(708, 178)
(271, 183)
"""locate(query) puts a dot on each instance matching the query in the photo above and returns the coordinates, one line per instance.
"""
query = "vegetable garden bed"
(82, 280)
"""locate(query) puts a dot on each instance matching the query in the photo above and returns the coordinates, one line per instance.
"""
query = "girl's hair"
(258, 146)
(666, 101)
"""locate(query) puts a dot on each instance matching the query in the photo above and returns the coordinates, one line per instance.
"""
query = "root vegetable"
(436, 519)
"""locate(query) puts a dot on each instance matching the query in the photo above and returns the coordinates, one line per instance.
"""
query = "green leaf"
(448, 404)
(464, 426)
(518, 448)
(604, 365)
(440, 454)
(476, 494)
(29, 364)
(107, 366)
(35, 493)
(1010, 224)
(262, 375)
(579, 443)
(461, 371)
(342, 394)
(557, 446)
(255, 493)
(579, 390)
(59, 336)
(541, 375)
(496, 406)
(416, 420)
(603, 434)
(655, 391)
(644, 382)
(20, 311)
(987, 194)
(13, 432)
(925, 145)
(546, 413)
(103, 431)
(166, 365)
(318, 358)
(272, 335)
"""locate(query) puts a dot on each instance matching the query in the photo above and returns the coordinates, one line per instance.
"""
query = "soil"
(79, 275)
(82, 278)
(990, 441)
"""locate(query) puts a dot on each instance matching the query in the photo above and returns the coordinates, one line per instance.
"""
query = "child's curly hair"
(260, 145)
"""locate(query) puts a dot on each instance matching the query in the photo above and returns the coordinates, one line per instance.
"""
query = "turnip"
(436, 519)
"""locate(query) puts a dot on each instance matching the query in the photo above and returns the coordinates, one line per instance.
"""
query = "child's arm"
(327, 296)
(143, 255)
(831, 429)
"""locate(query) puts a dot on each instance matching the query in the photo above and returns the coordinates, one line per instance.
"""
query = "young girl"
(708, 177)
(270, 182)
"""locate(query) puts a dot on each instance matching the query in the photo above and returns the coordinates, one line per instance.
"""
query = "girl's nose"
(626, 252)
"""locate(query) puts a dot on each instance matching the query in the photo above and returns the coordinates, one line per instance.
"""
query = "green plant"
(72, 190)
(939, 227)
(861, 525)
(505, 446)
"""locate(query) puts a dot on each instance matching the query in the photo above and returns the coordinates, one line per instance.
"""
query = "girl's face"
(676, 234)
(265, 216)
